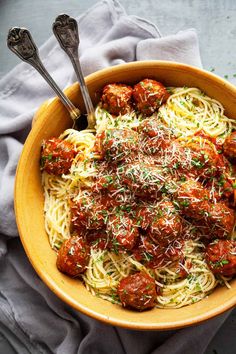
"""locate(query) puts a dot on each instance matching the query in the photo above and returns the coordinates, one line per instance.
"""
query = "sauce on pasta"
(142, 208)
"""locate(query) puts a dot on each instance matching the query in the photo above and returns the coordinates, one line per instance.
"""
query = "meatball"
(221, 187)
(154, 136)
(149, 253)
(221, 257)
(142, 179)
(155, 255)
(73, 256)
(200, 157)
(57, 156)
(107, 182)
(138, 291)
(219, 220)
(166, 225)
(116, 144)
(149, 95)
(88, 212)
(229, 147)
(193, 199)
(116, 98)
(98, 239)
(144, 216)
(122, 231)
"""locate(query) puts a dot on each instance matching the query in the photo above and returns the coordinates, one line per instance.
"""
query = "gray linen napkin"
(32, 318)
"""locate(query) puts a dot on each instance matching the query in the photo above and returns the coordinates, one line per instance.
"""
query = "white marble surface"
(215, 21)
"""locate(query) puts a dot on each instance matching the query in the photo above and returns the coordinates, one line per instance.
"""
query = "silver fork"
(21, 43)
(65, 29)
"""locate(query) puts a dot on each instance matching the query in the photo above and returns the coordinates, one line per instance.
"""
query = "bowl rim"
(51, 284)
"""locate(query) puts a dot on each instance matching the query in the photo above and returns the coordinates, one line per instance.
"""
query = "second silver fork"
(65, 29)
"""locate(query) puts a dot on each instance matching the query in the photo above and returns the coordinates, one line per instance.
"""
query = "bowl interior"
(52, 119)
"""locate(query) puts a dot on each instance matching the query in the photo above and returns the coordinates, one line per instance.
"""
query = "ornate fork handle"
(21, 43)
(65, 29)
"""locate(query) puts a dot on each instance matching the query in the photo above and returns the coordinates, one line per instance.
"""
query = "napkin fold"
(32, 318)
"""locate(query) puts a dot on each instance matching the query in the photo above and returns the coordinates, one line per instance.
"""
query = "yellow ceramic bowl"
(52, 119)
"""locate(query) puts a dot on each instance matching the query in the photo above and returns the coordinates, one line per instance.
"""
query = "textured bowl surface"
(52, 119)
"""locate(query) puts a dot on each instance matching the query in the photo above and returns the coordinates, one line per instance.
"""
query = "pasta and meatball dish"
(142, 208)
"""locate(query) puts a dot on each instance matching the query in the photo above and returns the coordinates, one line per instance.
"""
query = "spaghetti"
(105, 270)
(102, 193)
(189, 110)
